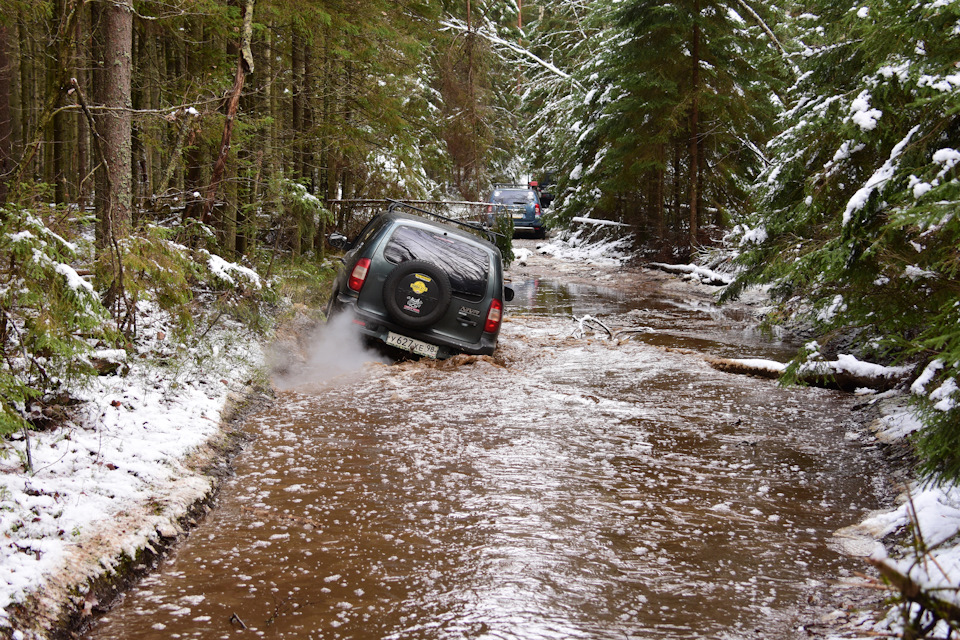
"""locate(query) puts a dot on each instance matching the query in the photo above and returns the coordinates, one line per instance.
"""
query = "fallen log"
(705, 276)
(846, 373)
(750, 366)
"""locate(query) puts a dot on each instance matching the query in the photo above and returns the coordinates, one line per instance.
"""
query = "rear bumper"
(536, 229)
(528, 221)
(377, 327)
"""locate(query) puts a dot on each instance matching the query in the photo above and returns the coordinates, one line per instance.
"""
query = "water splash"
(332, 350)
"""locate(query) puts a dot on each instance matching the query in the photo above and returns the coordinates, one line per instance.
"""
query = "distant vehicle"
(420, 285)
(522, 204)
(546, 188)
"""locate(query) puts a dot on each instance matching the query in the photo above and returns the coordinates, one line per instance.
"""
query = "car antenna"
(395, 203)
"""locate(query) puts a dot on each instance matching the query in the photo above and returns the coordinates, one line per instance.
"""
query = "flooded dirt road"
(575, 487)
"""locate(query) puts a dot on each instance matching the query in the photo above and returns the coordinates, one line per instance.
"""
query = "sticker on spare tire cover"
(413, 304)
(418, 287)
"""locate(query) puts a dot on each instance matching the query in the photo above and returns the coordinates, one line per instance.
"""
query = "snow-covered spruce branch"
(494, 39)
(773, 38)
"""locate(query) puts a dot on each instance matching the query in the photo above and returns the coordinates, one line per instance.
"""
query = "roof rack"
(476, 227)
(510, 185)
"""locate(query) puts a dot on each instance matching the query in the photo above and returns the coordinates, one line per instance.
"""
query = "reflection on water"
(588, 490)
(541, 296)
(722, 331)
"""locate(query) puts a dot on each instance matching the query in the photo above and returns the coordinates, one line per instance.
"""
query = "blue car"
(520, 203)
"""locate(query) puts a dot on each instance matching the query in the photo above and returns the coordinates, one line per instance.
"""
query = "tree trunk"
(112, 86)
(16, 90)
(58, 156)
(48, 138)
(659, 195)
(83, 130)
(231, 204)
(694, 130)
(308, 161)
(152, 71)
(298, 102)
(195, 159)
(27, 111)
(677, 205)
(298, 65)
(269, 161)
(328, 176)
(244, 66)
(53, 96)
(346, 161)
(6, 116)
(139, 101)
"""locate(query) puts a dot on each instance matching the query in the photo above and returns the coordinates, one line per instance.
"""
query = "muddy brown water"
(580, 487)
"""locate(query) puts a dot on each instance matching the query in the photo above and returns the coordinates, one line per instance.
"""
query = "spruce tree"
(857, 228)
(692, 76)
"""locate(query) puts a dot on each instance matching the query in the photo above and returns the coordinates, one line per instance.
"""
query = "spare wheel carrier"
(416, 293)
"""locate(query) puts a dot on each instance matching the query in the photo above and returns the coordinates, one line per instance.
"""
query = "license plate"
(411, 345)
(519, 216)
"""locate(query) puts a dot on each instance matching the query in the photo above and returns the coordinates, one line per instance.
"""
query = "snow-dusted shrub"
(49, 316)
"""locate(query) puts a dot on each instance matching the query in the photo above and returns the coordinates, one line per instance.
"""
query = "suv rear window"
(465, 265)
(513, 196)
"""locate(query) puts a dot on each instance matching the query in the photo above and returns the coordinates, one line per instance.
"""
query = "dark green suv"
(420, 285)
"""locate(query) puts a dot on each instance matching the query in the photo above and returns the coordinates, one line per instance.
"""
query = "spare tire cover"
(416, 293)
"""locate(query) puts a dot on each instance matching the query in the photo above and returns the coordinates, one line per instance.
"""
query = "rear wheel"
(331, 308)
(416, 293)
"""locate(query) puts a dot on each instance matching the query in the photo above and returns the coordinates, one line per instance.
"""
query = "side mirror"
(338, 241)
(508, 294)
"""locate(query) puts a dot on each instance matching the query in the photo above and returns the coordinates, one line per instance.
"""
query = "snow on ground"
(581, 246)
(118, 474)
(929, 514)
(927, 518)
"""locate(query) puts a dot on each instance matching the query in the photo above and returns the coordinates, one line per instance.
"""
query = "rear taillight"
(536, 210)
(489, 208)
(493, 317)
(359, 274)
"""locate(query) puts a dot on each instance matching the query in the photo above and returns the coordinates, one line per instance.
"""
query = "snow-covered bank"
(119, 477)
(587, 246)
(916, 545)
